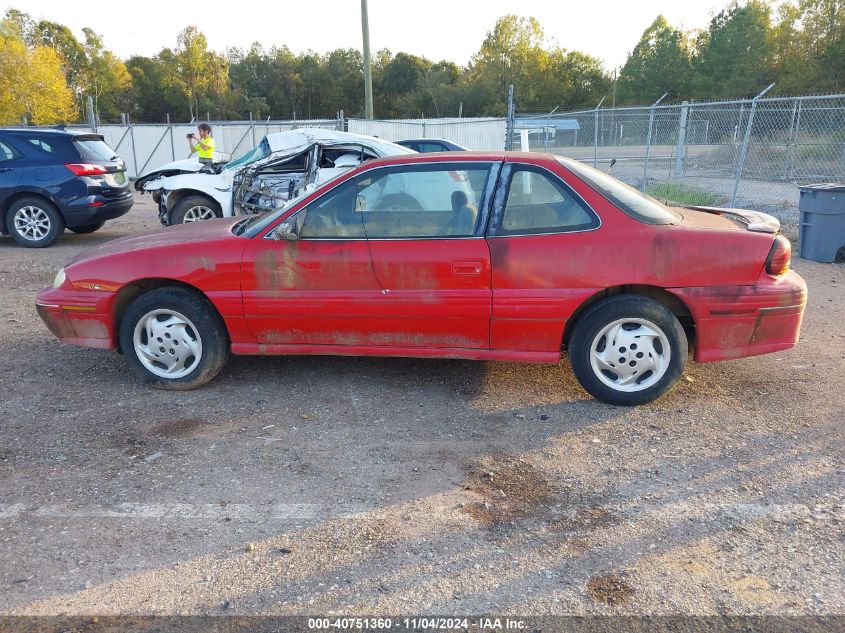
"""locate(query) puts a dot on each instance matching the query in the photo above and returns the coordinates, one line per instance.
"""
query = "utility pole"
(368, 78)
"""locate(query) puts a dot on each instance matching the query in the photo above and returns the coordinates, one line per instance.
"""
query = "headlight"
(60, 278)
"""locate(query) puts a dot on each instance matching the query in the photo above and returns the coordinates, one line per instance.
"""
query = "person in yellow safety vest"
(203, 145)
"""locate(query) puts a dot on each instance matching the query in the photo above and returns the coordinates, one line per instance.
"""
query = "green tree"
(105, 77)
(659, 63)
(733, 55)
(192, 68)
(512, 53)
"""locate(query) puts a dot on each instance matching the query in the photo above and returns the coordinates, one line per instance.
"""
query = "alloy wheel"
(32, 223)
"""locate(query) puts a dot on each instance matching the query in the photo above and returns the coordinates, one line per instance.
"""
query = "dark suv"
(52, 179)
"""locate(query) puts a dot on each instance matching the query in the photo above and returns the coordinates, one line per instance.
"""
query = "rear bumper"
(79, 318)
(738, 321)
(81, 213)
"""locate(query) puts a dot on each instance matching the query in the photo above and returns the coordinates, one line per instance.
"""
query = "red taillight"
(86, 169)
(777, 263)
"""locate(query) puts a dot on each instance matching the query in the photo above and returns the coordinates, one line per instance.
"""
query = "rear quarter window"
(629, 200)
(7, 152)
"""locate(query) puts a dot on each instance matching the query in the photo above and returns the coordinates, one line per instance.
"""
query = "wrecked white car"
(261, 180)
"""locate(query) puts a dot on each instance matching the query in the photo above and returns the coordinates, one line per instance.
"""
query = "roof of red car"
(440, 157)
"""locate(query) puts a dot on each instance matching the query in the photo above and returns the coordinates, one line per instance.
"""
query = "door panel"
(318, 292)
(543, 250)
(429, 259)
(431, 295)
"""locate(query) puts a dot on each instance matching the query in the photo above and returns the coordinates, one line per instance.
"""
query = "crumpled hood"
(179, 234)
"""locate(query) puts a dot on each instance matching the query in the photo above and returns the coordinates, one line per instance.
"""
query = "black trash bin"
(821, 229)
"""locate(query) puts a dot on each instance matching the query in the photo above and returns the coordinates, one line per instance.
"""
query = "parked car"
(427, 145)
(278, 169)
(56, 179)
(545, 254)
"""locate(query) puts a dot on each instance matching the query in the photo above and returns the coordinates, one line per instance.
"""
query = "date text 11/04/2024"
(418, 624)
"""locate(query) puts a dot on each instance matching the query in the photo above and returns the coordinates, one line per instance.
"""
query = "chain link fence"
(751, 153)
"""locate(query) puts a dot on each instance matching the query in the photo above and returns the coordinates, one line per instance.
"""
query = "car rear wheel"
(34, 222)
(87, 228)
(174, 339)
(628, 350)
(195, 209)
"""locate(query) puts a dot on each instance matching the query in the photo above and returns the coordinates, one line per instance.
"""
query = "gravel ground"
(371, 486)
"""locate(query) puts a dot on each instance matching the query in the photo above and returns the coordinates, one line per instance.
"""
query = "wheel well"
(175, 197)
(670, 301)
(17, 196)
(131, 291)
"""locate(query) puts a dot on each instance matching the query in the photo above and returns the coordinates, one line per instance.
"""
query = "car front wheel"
(34, 223)
(628, 350)
(174, 339)
(195, 209)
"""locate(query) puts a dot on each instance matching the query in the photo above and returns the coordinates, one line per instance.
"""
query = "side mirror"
(286, 231)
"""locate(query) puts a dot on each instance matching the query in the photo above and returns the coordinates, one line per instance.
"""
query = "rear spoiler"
(754, 220)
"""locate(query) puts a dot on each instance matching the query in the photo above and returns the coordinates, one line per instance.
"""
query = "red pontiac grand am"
(494, 255)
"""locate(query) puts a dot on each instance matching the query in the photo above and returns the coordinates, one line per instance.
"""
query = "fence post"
(341, 121)
(132, 142)
(744, 152)
(596, 134)
(681, 146)
(92, 119)
(252, 128)
(648, 139)
(510, 124)
(172, 143)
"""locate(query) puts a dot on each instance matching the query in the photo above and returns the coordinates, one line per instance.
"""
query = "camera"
(189, 135)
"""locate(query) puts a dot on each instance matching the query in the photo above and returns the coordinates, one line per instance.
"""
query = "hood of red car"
(179, 234)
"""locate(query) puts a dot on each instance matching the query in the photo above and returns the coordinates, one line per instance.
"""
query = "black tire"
(399, 202)
(203, 324)
(187, 207)
(48, 230)
(588, 329)
(87, 228)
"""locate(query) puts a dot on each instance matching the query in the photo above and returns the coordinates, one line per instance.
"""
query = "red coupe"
(494, 255)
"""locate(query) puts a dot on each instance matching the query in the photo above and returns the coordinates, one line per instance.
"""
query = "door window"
(539, 202)
(417, 201)
(422, 201)
(334, 215)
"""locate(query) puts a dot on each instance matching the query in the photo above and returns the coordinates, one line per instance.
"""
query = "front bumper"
(739, 321)
(79, 318)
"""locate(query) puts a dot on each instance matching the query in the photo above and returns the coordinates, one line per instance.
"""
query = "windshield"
(260, 222)
(256, 153)
(635, 203)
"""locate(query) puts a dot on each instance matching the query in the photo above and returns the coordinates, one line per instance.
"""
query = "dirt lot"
(370, 486)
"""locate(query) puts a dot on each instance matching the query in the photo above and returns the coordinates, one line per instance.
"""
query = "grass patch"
(681, 194)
